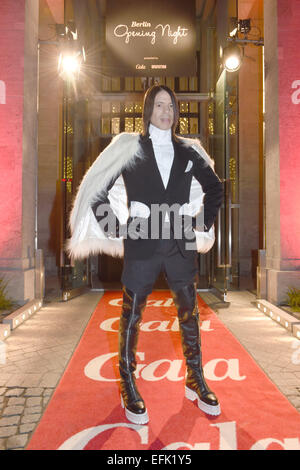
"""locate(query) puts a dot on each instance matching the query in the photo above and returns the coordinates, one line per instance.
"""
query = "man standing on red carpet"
(153, 199)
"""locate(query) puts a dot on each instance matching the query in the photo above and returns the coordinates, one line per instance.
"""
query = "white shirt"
(163, 151)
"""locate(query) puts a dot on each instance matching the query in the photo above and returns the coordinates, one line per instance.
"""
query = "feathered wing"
(120, 153)
(196, 145)
(86, 235)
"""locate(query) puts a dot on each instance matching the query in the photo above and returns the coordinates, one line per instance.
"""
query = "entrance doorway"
(91, 122)
(90, 126)
(118, 108)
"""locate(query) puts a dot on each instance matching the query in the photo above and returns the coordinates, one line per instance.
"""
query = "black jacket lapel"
(178, 167)
(151, 166)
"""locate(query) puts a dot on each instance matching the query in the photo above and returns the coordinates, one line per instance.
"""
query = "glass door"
(75, 276)
(225, 262)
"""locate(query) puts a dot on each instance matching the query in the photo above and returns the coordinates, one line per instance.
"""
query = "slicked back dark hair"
(149, 105)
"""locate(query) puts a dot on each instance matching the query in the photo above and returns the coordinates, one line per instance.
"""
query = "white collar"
(160, 136)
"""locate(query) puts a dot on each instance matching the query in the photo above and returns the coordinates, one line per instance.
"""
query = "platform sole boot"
(131, 400)
(196, 387)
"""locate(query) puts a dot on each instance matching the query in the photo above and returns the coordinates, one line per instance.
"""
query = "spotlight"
(72, 53)
(69, 64)
(232, 58)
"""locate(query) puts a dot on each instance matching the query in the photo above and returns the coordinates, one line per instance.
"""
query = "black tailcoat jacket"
(125, 174)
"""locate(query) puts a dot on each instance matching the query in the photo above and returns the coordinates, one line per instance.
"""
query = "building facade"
(52, 130)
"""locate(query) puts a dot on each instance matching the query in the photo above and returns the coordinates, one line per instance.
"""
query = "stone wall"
(18, 145)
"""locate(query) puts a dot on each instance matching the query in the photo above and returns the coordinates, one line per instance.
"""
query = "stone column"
(18, 145)
(250, 146)
(50, 128)
(282, 85)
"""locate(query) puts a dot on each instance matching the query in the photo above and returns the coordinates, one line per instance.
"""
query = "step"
(280, 316)
(17, 317)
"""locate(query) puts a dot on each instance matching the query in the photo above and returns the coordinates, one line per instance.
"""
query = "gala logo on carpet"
(150, 302)
(93, 370)
(227, 438)
(152, 325)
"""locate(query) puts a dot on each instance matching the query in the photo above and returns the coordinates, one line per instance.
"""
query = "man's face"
(163, 112)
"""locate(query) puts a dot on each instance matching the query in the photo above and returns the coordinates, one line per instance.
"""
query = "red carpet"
(85, 411)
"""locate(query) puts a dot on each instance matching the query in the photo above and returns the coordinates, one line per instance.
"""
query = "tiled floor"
(273, 348)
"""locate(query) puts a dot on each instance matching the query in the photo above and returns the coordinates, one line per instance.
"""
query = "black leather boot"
(132, 309)
(196, 388)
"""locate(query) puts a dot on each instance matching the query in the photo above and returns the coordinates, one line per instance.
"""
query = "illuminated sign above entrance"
(151, 38)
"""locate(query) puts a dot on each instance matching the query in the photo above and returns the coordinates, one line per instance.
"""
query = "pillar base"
(279, 282)
(261, 276)
(20, 281)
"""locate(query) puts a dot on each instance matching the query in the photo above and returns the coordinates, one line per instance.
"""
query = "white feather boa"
(87, 237)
